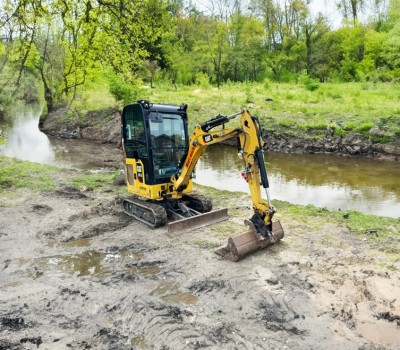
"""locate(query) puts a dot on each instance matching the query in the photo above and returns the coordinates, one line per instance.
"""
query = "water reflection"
(363, 184)
(26, 141)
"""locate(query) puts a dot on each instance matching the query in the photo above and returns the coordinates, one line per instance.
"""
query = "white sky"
(326, 7)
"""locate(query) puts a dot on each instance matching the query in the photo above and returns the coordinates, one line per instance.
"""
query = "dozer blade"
(240, 246)
(187, 224)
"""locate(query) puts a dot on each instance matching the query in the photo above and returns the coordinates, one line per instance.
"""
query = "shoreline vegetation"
(361, 119)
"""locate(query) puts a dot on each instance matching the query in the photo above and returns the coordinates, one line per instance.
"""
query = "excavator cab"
(155, 138)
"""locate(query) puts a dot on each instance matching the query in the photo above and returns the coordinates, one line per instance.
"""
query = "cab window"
(135, 137)
(167, 143)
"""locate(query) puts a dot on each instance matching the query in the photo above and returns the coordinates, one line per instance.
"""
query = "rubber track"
(153, 215)
(205, 202)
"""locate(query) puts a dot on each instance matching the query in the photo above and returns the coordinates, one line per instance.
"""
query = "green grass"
(17, 174)
(94, 180)
(294, 108)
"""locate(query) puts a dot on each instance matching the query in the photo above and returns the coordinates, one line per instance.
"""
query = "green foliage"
(340, 132)
(285, 123)
(349, 126)
(306, 113)
(365, 127)
(266, 83)
(202, 79)
(249, 94)
(16, 174)
(381, 138)
(125, 91)
(357, 223)
(65, 44)
(5, 103)
(309, 83)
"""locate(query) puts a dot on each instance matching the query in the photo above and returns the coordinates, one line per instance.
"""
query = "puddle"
(92, 262)
(147, 270)
(181, 298)
(165, 287)
(88, 262)
(139, 343)
(79, 243)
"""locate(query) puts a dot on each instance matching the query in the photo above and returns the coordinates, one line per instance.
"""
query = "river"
(368, 185)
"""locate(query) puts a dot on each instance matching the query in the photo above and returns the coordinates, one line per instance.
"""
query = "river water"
(328, 181)
(370, 186)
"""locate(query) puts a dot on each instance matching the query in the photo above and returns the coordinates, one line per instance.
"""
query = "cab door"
(136, 149)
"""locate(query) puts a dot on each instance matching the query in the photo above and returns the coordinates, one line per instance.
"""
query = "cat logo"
(207, 138)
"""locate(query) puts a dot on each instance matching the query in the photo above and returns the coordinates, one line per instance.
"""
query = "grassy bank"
(16, 175)
(369, 109)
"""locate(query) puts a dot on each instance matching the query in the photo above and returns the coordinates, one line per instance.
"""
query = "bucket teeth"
(240, 246)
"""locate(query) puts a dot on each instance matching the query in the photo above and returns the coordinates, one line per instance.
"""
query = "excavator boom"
(262, 231)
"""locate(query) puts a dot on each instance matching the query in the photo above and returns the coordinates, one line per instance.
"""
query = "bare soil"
(76, 273)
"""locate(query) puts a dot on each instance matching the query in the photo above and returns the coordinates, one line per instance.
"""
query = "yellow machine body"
(160, 158)
(137, 185)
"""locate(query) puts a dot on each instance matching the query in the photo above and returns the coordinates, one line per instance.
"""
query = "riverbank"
(104, 126)
(336, 119)
(92, 277)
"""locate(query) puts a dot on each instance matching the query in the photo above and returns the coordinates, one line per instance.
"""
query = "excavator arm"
(251, 146)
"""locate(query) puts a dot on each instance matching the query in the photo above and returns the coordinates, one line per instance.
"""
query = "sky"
(326, 7)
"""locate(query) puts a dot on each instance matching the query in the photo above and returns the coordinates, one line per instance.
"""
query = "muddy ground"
(76, 273)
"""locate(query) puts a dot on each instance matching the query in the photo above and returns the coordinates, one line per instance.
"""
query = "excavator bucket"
(240, 246)
(193, 222)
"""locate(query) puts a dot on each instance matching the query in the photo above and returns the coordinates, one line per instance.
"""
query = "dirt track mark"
(41, 209)
(71, 193)
(100, 219)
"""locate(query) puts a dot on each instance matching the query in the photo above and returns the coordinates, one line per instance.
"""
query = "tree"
(151, 67)
(391, 49)
(351, 8)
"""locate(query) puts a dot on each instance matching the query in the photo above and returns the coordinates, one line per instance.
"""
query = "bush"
(340, 132)
(365, 127)
(267, 83)
(310, 84)
(203, 80)
(249, 94)
(349, 126)
(125, 91)
(380, 138)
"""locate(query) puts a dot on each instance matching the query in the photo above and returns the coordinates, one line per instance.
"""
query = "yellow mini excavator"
(160, 157)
